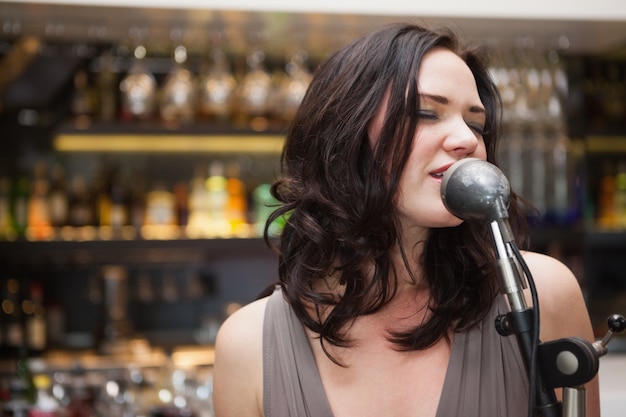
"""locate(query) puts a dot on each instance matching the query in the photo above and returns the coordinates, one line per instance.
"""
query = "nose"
(462, 139)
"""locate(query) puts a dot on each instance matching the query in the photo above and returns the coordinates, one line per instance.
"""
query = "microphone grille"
(476, 190)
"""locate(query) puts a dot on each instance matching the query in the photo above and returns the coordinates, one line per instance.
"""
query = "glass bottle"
(181, 198)
(294, 86)
(39, 225)
(35, 320)
(82, 105)
(106, 82)
(264, 206)
(12, 320)
(81, 212)
(560, 179)
(23, 393)
(102, 196)
(160, 206)
(178, 95)
(118, 199)
(19, 205)
(218, 198)
(217, 89)
(620, 194)
(138, 89)
(237, 200)
(137, 202)
(255, 92)
(46, 405)
(6, 226)
(81, 395)
(161, 213)
(58, 197)
(538, 149)
(199, 221)
(607, 199)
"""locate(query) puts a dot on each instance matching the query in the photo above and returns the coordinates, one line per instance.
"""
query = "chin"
(448, 221)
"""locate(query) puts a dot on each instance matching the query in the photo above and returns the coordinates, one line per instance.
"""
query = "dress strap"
(292, 386)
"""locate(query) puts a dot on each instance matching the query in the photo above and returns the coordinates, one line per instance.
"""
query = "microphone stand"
(476, 190)
(520, 320)
(568, 363)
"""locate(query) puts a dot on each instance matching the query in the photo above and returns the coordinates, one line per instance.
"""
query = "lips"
(438, 173)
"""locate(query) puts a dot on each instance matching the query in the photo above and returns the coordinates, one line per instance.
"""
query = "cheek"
(481, 151)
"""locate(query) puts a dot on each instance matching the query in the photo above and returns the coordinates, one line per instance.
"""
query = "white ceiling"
(324, 27)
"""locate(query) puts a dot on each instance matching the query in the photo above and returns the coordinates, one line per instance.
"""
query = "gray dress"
(485, 376)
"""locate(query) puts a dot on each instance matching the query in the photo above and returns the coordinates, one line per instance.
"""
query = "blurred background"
(138, 141)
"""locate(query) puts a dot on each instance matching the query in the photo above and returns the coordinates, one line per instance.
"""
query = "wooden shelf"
(155, 138)
(36, 255)
(605, 144)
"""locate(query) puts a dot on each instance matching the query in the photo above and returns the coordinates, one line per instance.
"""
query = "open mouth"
(439, 172)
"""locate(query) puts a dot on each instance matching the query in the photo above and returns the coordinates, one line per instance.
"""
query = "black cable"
(532, 365)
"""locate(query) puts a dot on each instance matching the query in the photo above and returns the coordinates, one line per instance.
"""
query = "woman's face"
(451, 121)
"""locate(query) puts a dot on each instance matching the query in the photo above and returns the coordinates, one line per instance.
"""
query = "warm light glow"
(609, 144)
(254, 144)
(555, 9)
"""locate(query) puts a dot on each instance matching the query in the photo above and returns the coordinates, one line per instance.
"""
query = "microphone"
(476, 190)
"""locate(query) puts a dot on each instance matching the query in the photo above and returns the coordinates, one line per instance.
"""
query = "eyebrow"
(444, 100)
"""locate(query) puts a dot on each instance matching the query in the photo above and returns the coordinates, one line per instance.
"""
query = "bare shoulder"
(552, 276)
(238, 367)
(563, 310)
(562, 304)
(244, 325)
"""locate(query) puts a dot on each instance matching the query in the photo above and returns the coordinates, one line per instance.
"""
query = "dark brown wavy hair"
(338, 193)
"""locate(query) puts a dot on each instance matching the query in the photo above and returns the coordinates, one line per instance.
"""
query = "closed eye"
(477, 128)
(427, 114)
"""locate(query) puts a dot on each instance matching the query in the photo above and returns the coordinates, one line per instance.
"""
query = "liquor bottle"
(19, 205)
(35, 320)
(106, 80)
(160, 214)
(6, 226)
(39, 226)
(218, 197)
(46, 404)
(118, 199)
(137, 202)
(82, 104)
(264, 205)
(237, 200)
(620, 194)
(537, 151)
(102, 194)
(167, 399)
(199, 221)
(81, 397)
(12, 323)
(138, 89)
(181, 198)
(217, 89)
(160, 207)
(22, 391)
(607, 199)
(255, 92)
(81, 210)
(178, 93)
(294, 86)
(58, 197)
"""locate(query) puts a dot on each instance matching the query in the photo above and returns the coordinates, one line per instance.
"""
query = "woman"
(387, 301)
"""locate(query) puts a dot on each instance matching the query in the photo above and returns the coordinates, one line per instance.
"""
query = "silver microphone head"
(476, 190)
